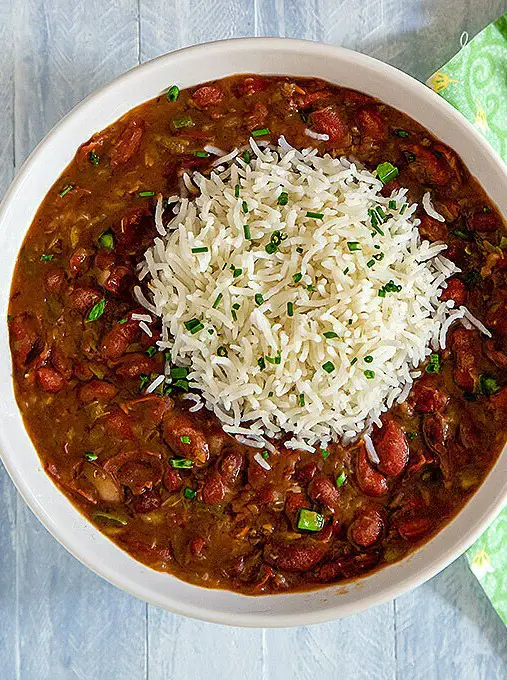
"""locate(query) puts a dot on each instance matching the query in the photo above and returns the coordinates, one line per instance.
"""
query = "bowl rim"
(137, 588)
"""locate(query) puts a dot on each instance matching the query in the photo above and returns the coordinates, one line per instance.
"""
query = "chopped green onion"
(368, 358)
(173, 93)
(185, 439)
(325, 453)
(183, 121)
(409, 156)
(151, 351)
(202, 249)
(182, 384)
(93, 158)
(381, 213)
(378, 230)
(382, 293)
(260, 132)
(301, 399)
(211, 331)
(234, 315)
(181, 463)
(354, 360)
(433, 364)
(403, 208)
(246, 156)
(193, 325)
(378, 256)
(392, 205)
(330, 334)
(106, 240)
(110, 517)
(303, 116)
(283, 199)
(236, 273)
(201, 154)
(217, 300)
(463, 234)
(236, 190)
(310, 288)
(370, 263)
(247, 232)
(349, 322)
(179, 372)
(261, 363)
(265, 455)
(97, 310)
(315, 215)
(328, 367)
(236, 305)
(346, 271)
(270, 394)
(488, 384)
(308, 520)
(271, 248)
(222, 352)
(299, 250)
(411, 435)
(244, 206)
(401, 133)
(341, 479)
(46, 258)
(122, 321)
(274, 360)
(353, 245)
(258, 299)
(144, 380)
(297, 277)
(189, 493)
(90, 455)
(290, 309)
(369, 374)
(66, 190)
(386, 172)
(146, 194)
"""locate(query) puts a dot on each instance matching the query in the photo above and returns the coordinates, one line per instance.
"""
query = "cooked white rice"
(380, 338)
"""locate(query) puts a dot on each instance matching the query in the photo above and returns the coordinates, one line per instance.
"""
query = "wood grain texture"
(58, 620)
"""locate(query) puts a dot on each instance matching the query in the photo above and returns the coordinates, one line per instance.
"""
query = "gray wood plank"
(71, 623)
(447, 629)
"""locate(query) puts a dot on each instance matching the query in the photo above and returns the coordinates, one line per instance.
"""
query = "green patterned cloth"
(475, 82)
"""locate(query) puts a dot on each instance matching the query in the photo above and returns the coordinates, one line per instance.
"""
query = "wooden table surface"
(57, 619)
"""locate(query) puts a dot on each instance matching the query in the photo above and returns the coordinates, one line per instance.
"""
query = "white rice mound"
(388, 337)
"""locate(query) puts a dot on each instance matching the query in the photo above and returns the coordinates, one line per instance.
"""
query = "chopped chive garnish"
(261, 363)
(315, 215)
(330, 334)
(189, 493)
(403, 208)
(173, 93)
(346, 271)
(106, 240)
(182, 384)
(122, 321)
(370, 263)
(297, 277)
(270, 394)
(217, 300)
(378, 256)
(341, 479)
(369, 374)
(409, 156)
(488, 385)
(303, 116)
(201, 249)
(382, 293)
(244, 206)
(247, 232)
(211, 331)
(274, 360)
(93, 158)
(66, 190)
(258, 299)
(283, 199)
(378, 229)
(433, 364)
(179, 372)
(151, 351)
(411, 435)
(236, 190)
(301, 399)
(463, 234)
(381, 213)
(308, 520)
(236, 305)
(46, 257)
(299, 250)
(310, 288)
(353, 245)
(222, 352)
(97, 310)
(185, 439)
(146, 194)
(236, 273)
(246, 156)
(354, 360)
(401, 133)
(368, 358)
(290, 309)
(143, 380)
(328, 367)
(392, 205)
(325, 453)
(265, 455)
(373, 217)
(201, 154)
(183, 121)
(260, 132)
(194, 326)
(234, 315)
(349, 322)
(271, 248)
(387, 172)
(89, 455)
(181, 463)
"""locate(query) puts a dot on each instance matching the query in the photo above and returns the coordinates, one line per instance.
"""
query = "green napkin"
(475, 83)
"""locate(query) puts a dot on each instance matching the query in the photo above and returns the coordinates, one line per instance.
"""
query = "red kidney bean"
(49, 380)
(347, 567)
(54, 278)
(25, 341)
(306, 473)
(331, 121)
(296, 557)
(197, 547)
(392, 447)
(82, 371)
(208, 95)
(172, 480)
(372, 126)
(178, 425)
(128, 143)
(118, 424)
(257, 116)
(426, 166)
(499, 400)
(119, 338)
(82, 298)
(213, 491)
(97, 390)
(497, 356)
(230, 467)
(484, 221)
(133, 365)
(465, 345)
(139, 470)
(456, 290)
(146, 502)
(468, 433)
(426, 396)
(119, 280)
(79, 262)
(104, 259)
(61, 363)
(323, 491)
(431, 229)
(371, 482)
(415, 528)
(367, 527)
(251, 85)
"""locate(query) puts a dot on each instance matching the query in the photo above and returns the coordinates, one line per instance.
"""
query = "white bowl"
(189, 67)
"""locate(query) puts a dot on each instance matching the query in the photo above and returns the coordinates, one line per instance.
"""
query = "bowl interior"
(185, 68)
